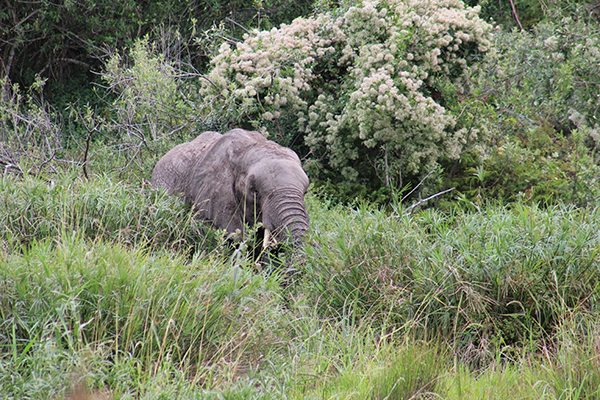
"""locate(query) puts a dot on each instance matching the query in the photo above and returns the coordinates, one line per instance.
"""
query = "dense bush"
(374, 96)
(519, 124)
(361, 87)
(536, 94)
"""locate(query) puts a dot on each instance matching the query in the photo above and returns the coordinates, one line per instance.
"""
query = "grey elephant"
(239, 178)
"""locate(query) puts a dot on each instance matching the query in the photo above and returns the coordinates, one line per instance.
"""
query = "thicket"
(55, 39)
(66, 43)
(536, 95)
(376, 98)
(376, 113)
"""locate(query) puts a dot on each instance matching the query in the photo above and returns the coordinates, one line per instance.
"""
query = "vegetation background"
(454, 243)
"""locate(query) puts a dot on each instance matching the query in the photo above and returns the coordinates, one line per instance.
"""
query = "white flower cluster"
(365, 78)
(269, 71)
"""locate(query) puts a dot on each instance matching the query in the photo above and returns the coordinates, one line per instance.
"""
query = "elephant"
(238, 179)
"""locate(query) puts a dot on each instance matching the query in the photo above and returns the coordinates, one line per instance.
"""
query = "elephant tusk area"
(268, 239)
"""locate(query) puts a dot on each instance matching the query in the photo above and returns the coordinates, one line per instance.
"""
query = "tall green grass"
(98, 289)
(501, 278)
(102, 208)
(90, 306)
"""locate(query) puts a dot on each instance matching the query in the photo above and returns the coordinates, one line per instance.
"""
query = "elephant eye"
(252, 188)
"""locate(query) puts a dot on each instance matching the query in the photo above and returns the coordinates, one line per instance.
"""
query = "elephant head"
(238, 179)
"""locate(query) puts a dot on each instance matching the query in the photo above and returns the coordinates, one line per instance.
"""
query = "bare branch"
(69, 60)
(514, 10)
(237, 24)
(228, 40)
(416, 187)
(418, 203)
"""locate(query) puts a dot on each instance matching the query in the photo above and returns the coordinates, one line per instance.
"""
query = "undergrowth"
(100, 208)
(499, 303)
(500, 278)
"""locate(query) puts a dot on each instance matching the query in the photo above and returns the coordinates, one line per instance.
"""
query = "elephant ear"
(211, 184)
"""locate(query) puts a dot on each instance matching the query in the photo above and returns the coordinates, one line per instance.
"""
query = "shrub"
(555, 69)
(537, 94)
(155, 107)
(30, 139)
(151, 106)
(362, 86)
(150, 103)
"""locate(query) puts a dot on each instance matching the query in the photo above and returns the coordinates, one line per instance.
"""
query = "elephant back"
(172, 170)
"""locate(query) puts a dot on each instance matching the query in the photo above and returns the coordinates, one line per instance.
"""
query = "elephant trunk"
(285, 214)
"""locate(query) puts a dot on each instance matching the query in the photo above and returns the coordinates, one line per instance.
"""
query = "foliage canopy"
(64, 39)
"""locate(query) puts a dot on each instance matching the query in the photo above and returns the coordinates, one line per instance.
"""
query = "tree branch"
(70, 60)
(514, 10)
(418, 203)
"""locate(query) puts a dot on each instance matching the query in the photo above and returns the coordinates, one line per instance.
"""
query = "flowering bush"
(362, 86)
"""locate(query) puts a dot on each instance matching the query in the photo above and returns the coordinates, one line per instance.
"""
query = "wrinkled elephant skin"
(239, 178)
